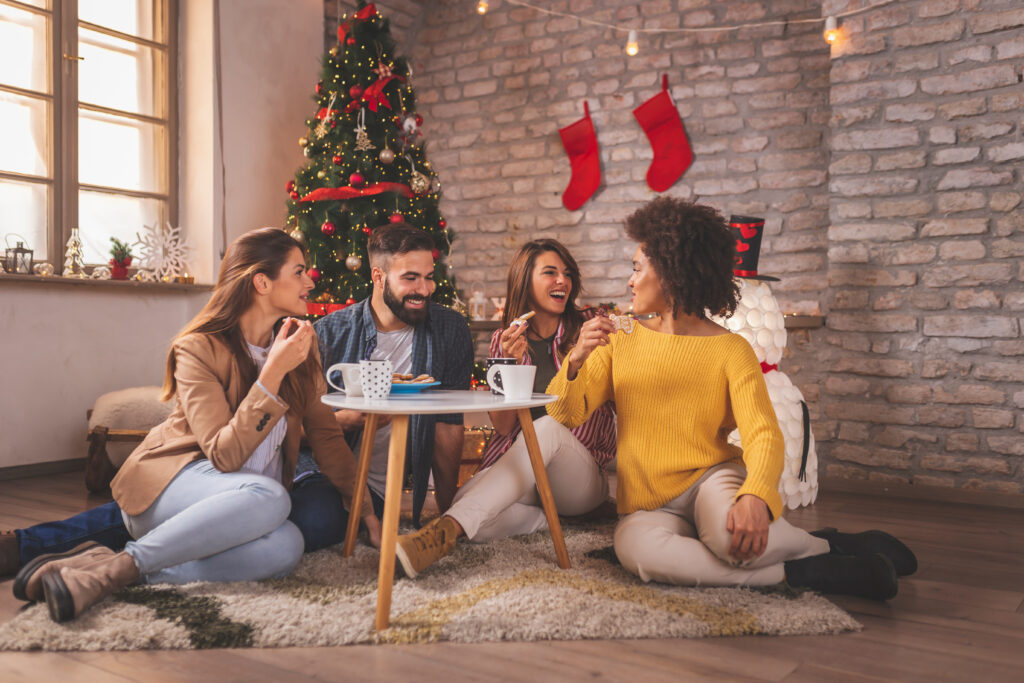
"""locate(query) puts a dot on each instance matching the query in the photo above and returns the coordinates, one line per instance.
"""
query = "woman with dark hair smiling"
(699, 511)
(204, 494)
(502, 500)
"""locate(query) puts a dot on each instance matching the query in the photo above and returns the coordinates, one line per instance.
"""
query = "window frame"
(62, 126)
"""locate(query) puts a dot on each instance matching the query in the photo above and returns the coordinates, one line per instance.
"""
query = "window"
(87, 122)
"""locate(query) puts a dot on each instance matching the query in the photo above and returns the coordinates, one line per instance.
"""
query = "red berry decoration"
(356, 180)
(397, 218)
(336, 160)
(327, 228)
(314, 274)
(293, 194)
(349, 301)
(419, 120)
(356, 91)
(366, 229)
(289, 186)
(350, 40)
(436, 253)
(442, 224)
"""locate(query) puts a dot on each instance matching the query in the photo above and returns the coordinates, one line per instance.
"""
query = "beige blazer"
(217, 418)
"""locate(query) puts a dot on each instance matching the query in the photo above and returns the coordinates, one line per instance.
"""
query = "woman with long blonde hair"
(502, 500)
(205, 494)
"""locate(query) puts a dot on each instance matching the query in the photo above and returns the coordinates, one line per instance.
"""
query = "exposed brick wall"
(888, 173)
(925, 296)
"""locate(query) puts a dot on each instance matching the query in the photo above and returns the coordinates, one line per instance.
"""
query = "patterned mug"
(375, 378)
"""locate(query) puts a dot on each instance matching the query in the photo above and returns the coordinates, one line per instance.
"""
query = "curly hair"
(692, 251)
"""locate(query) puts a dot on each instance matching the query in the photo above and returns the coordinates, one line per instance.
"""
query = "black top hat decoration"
(748, 231)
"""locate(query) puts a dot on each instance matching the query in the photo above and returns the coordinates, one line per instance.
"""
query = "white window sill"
(57, 281)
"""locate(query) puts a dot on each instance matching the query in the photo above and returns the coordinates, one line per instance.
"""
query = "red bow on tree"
(362, 15)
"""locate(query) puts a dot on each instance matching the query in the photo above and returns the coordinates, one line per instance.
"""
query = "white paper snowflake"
(162, 250)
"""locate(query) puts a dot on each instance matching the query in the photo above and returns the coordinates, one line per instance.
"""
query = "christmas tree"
(368, 165)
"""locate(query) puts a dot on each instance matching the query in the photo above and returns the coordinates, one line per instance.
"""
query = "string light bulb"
(632, 44)
(831, 30)
(481, 7)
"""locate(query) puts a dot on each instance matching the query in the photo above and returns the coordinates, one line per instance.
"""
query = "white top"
(396, 347)
(266, 459)
(435, 401)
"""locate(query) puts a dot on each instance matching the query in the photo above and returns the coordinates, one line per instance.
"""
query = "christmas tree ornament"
(436, 254)
(294, 195)
(580, 142)
(327, 228)
(325, 121)
(363, 143)
(350, 40)
(337, 160)
(162, 250)
(303, 142)
(333, 51)
(297, 235)
(356, 180)
(355, 92)
(366, 230)
(397, 218)
(659, 119)
(318, 87)
(321, 174)
(442, 224)
(349, 301)
(307, 152)
(314, 273)
(323, 298)
(387, 156)
(419, 183)
(353, 262)
(289, 186)
(757, 319)
(74, 256)
(383, 70)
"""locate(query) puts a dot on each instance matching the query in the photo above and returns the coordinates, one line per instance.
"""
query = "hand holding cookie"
(594, 333)
(513, 338)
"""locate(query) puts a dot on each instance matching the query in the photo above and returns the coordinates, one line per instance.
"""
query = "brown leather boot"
(420, 549)
(10, 554)
(28, 584)
(70, 591)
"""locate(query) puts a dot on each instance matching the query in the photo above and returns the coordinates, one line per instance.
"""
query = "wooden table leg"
(543, 486)
(363, 471)
(392, 506)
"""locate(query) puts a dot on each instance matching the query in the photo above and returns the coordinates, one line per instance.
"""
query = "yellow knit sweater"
(677, 399)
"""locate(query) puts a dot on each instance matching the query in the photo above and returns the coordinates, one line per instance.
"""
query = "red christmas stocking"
(672, 154)
(580, 142)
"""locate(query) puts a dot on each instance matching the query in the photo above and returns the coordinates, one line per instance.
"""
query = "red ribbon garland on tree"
(326, 193)
(362, 15)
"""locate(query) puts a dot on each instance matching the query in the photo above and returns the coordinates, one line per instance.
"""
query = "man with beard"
(398, 322)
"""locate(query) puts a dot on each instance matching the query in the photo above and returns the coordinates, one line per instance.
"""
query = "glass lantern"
(18, 259)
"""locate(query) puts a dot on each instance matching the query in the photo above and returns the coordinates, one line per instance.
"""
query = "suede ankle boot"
(10, 553)
(866, 576)
(28, 584)
(70, 591)
(420, 549)
(869, 543)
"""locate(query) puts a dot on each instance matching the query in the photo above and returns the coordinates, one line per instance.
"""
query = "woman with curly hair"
(699, 511)
(502, 500)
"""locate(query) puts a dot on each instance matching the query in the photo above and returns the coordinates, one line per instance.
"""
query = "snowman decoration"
(758, 320)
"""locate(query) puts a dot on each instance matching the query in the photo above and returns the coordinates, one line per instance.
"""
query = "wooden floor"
(960, 618)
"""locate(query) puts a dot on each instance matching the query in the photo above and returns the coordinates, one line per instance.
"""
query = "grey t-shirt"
(396, 347)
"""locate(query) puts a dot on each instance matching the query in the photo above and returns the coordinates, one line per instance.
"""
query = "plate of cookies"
(410, 384)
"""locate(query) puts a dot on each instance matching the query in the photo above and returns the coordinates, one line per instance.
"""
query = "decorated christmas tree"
(367, 165)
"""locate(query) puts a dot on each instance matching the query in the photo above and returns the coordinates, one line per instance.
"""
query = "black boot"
(866, 576)
(869, 543)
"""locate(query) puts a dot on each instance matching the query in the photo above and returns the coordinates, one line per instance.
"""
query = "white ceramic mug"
(375, 378)
(349, 376)
(516, 381)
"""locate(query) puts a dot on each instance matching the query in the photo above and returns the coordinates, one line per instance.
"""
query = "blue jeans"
(317, 511)
(209, 525)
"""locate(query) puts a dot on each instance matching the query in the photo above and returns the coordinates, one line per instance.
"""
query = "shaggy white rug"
(507, 590)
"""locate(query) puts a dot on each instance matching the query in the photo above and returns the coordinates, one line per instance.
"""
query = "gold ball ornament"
(387, 156)
(323, 298)
(353, 263)
(419, 183)
(297, 235)
(321, 174)
(303, 142)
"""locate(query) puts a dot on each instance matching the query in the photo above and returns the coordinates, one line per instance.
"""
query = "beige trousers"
(502, 500)
(685, 542)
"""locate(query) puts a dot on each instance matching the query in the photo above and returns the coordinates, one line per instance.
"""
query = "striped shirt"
(597, 434)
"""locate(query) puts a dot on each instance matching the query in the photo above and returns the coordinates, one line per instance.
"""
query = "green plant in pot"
(121, 259)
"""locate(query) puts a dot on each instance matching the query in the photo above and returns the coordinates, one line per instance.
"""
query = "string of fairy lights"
(830, 25)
